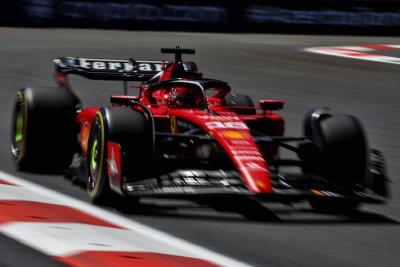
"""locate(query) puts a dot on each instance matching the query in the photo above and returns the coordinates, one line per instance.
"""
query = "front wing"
(194, 184)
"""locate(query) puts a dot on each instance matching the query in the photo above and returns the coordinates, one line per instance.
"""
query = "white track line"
(145, 231)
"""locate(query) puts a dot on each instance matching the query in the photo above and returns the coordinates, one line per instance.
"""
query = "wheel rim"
(94, 154)
(18, 129)
(95, 159)
(19, 124)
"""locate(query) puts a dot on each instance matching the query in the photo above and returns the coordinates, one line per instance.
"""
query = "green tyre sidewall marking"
(21, 121)
(93, 158)
(19, 127)
(100, 179)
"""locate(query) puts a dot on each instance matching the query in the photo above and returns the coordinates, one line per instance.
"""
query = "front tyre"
(343, 159)
(131, 130)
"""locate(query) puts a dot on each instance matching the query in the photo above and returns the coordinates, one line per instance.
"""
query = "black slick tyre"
(345, 151)
(344, 159)
(240, 101)
(130, 129)
(43, 132)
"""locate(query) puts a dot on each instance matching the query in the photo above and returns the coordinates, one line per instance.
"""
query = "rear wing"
(118, 69)
(109, 69)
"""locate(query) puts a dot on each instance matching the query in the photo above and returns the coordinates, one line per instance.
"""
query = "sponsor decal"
(324, 193)
(226, 125)
(150, 67)
(111, 65)
(172, 189)
(235, 135)
(261, 184)
(238, 142)
(111, 11)
(254, 166)
(219, 118)
(361, 18)
(114, 160)
(39, 10)
(246, 152)
(103, 64)
(248, 158)
(85, 131)
(174, 127)
(113, 166)
(363, 52)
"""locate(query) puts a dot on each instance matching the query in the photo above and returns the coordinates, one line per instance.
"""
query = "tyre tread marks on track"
(363, 52)
(79, 234)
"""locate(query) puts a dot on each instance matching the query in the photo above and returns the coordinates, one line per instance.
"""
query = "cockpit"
(178, 95)
(186, 97)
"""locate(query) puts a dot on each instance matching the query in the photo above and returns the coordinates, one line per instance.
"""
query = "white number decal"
(226, 125)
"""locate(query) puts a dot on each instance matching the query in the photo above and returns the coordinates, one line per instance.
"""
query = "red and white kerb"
(79, 234)
(363, 52)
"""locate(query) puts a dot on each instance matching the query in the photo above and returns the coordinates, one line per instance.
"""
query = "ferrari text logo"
(103, 64)
(149, 67)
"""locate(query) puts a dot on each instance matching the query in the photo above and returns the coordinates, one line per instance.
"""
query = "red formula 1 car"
(190, 137)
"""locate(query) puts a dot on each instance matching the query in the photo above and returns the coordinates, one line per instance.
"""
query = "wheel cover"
(19, 127)
(96, 156)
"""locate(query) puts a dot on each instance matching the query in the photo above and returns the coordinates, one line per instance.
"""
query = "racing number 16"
(226, 125)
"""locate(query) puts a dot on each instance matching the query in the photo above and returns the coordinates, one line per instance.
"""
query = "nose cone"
(244, 152)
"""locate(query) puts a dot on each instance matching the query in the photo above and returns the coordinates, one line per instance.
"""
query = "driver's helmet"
(186, 97)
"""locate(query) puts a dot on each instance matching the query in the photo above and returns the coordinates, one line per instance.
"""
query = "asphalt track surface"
(263, 66)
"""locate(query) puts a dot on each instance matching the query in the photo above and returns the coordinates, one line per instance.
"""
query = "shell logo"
(235, 135)
(261, 184)
(85, 131)
(174, 128)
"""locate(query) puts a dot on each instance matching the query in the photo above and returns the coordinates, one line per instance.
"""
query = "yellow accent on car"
(174, 127)
(235, 135)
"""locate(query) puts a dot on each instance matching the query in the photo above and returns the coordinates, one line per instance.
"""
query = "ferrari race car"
(189, 137)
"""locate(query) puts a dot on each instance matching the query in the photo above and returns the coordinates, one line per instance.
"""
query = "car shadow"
(292, 216)
(355, 217)
(192, 211)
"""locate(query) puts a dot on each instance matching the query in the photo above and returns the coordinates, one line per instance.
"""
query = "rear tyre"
(240, 100)
(43, 132)
(343, 159)
(130, 129)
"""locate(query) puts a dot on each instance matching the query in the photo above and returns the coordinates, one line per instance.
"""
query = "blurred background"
(270, 65)
(299, 16)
